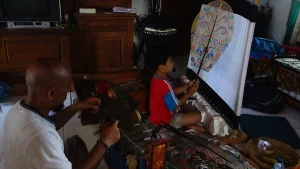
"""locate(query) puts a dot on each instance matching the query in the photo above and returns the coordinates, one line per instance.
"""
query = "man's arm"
(109, 136)
(62, 117)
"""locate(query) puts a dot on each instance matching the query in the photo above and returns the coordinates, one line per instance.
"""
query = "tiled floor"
(73, 127)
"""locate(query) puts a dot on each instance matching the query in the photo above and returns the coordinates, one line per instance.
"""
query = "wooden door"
(109, 51)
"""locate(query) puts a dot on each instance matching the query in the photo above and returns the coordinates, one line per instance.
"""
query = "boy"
(164, 105)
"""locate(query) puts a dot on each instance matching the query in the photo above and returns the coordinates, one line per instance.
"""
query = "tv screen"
(30, 10)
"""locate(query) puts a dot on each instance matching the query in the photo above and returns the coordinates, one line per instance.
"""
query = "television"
(30, 11)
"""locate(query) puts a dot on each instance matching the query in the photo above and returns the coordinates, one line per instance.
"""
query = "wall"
(281, 11)
(140, 6)
(295, 36)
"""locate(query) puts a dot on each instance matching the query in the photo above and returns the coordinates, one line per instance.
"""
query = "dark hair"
(157, 56)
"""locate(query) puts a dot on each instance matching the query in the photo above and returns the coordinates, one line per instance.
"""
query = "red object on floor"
(293, 50)
(156, 154)
(102, 87)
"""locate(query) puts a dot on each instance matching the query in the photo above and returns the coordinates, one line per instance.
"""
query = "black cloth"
(242, 7)
(262, 97)
(273, 127)
(75, 150)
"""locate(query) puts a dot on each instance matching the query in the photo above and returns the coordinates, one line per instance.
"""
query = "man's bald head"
(45, 74)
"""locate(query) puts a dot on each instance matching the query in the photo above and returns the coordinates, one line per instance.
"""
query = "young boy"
(164, 105)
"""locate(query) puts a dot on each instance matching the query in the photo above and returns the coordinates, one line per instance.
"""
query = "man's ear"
(51, 94)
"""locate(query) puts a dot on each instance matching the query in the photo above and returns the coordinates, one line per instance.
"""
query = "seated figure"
(164, 105)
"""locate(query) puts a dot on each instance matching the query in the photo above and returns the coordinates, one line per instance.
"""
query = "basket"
(279, 148)
(260, 66)
(292, 101)
(288, 79)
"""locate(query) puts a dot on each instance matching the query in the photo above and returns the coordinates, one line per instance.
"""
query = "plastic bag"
(5, 89)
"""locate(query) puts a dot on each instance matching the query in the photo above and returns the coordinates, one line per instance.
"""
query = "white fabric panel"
(245, 68)
(226, 75)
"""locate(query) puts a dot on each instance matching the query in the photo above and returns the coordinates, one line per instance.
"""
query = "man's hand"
(111, 134)
(91, 103)
(193, 89)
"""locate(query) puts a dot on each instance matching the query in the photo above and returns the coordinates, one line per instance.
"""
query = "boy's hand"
(193, 89)
(191, 83)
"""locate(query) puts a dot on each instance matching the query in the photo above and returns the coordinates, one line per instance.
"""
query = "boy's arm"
(183, 99)
(193, 89)
(180, 89)
(172, 102)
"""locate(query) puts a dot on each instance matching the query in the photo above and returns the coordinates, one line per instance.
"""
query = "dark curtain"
(241, 7)
(264, 17)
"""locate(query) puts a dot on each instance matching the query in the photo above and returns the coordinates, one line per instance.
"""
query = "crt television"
(30, 10)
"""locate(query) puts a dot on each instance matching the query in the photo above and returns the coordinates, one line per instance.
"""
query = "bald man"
(30, 137)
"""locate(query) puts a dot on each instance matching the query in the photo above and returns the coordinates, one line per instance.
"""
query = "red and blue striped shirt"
(162, 101)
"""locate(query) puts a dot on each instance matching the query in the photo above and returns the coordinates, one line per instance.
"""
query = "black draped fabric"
(241, 7)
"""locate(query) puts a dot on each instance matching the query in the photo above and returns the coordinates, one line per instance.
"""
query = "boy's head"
(161, 61)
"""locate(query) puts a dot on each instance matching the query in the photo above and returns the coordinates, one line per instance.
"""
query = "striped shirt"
(162, 101)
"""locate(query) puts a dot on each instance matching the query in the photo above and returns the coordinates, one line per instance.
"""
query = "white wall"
(262, 2)
(295, 36)
(281, 11)
(141, 9)
(140, 6)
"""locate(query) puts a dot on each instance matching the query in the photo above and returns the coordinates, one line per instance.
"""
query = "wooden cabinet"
(112, 49)
(107, 40)
(21, 47)
(106, 3)
(18, 48)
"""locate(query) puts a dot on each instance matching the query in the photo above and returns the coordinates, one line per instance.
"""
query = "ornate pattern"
(184, 153)
(156, 154)
(159, 155)
(221, 4)
(201, 31)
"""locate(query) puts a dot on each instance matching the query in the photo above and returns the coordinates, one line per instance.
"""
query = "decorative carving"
(132, 161)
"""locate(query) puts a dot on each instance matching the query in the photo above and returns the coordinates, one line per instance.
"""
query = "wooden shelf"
(105, 14)
(47, 30)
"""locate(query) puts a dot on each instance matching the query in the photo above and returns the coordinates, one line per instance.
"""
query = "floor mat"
(274, 127)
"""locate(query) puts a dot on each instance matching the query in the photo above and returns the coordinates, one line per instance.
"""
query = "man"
(30, 136)
(163, 102)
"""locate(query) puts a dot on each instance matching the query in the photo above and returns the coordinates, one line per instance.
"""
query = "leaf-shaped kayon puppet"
(211, 34)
